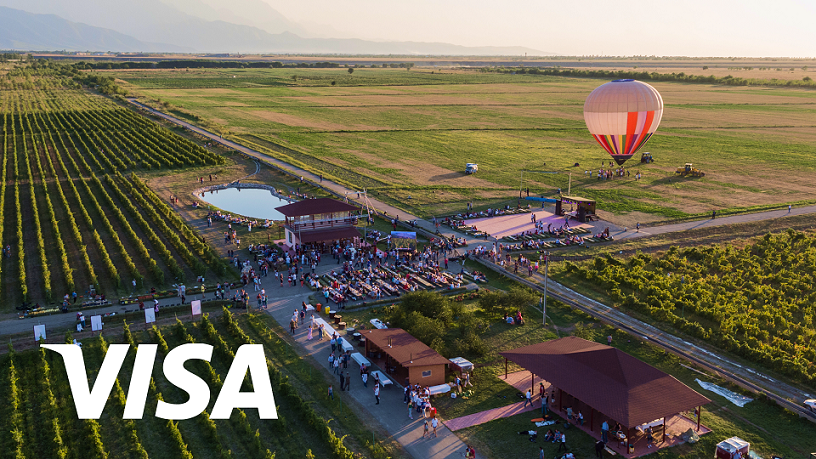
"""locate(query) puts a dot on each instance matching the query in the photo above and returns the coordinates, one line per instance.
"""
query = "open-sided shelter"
(406, 356)
(612, 383)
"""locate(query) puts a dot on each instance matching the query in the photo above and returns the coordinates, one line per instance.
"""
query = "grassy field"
(406, 136)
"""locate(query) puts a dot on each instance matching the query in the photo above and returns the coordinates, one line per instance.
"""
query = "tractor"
(689, 169)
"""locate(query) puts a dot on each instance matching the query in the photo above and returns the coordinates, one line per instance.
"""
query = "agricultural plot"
(74, 216)
(39, 418)
(407, 136)
(756, 301)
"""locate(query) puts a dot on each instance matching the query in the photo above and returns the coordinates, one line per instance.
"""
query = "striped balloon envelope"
(622, 115)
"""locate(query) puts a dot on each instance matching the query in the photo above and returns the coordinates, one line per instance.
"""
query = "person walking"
(337, 365)
(562, 444)
(540, 452)
(410, 409)
(342, 381)
(331, 392)
(377, 393)
(528, 399)
(348, 381)
(434, 424)
(425, 432)
(365, 379)
(789, 208)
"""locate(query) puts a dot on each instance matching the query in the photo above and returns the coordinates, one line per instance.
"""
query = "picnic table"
(378, 323)
(440, 389)
(346, 345)
(360, 359)
(381, 376)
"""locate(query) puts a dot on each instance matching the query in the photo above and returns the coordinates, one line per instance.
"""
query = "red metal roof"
(405, 349)
(315, 206)
(613, 382)
(328, 235)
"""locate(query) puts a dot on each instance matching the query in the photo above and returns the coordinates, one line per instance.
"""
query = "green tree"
(350, 70)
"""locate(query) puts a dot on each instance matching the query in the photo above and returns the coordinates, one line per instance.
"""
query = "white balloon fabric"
(622, 115)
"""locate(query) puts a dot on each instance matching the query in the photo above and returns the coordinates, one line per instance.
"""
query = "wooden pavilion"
(607, 383)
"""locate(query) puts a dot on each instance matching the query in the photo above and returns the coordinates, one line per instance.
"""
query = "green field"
(406, 135)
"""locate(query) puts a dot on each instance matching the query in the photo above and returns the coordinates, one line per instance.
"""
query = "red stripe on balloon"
(644, 134)
(631, 126)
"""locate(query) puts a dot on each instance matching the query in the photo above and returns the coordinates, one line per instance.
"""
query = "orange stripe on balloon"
(631, 126)
(644, 134)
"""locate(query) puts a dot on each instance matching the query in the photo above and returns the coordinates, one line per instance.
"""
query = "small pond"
(250, 202)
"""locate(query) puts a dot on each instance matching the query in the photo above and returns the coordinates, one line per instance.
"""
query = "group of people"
(516, 319)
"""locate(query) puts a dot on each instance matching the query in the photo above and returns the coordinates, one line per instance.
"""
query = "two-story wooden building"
(319, 220)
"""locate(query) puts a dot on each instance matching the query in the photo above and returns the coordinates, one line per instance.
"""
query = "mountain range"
(212, 26)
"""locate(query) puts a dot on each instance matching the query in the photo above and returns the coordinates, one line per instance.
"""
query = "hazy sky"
(578, 27)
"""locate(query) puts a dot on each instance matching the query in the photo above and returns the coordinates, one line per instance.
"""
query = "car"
(811, 404)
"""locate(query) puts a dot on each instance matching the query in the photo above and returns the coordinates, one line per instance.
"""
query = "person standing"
(342, 381)
(331, 392)
(540, 452)
(599, 448)
(434, 424)
(377, 393)
(348, 381)
(605, 432)
(365, 378)
(410, 409)
(425, 432)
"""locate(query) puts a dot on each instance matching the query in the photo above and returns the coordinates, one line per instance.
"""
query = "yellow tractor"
(689, 169)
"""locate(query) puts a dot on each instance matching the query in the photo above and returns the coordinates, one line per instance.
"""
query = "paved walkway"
(720, 221)
(521, 381)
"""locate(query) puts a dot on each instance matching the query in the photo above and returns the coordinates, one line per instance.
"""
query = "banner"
(150, 315)
(403, 234)
(96, 323)
(39, 332)
(196, 307)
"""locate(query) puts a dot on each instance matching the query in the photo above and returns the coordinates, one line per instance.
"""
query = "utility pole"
(544, 298)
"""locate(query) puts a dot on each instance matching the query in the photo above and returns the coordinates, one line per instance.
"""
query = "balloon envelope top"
(622, 115)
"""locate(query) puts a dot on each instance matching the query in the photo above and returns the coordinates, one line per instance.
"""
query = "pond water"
(250, 202)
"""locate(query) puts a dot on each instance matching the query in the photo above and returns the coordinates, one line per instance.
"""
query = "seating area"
(385, 281)
(560, 238)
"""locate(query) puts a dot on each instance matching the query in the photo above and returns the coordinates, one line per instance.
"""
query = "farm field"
(73, 213)
(753, 299)
(39, 417)
(405, 135)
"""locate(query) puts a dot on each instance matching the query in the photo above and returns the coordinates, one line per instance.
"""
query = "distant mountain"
(21, 30)
(254, 13)
(202, 26)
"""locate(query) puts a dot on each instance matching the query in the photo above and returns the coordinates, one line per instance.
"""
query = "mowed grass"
(407, 135)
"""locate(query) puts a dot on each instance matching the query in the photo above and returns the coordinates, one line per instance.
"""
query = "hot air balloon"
(622, 115)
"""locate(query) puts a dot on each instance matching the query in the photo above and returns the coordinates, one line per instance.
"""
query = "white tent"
(733, 448)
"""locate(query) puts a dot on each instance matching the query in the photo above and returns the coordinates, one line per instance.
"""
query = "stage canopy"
(611, 381)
